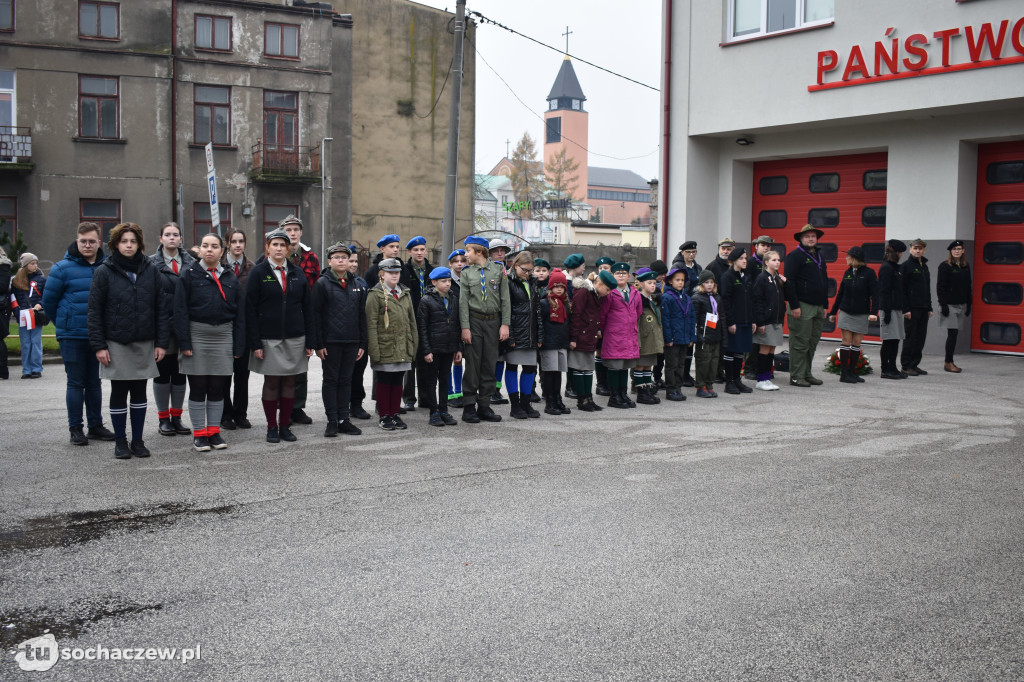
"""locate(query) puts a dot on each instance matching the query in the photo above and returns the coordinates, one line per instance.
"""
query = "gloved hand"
(967, 310)
(945, 310)
(887, 318)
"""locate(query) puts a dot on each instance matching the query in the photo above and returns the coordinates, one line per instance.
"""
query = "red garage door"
(844, 196)
(998, 314)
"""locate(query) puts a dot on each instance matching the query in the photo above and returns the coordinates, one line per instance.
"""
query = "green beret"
(608, 279)
(604, 260)
(623, 267)
(541, 263)
(650, 274)
(574, 260)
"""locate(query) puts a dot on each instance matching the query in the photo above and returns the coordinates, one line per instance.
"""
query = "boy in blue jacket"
(679, 323)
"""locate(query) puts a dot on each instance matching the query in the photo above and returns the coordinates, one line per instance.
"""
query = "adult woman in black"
(169, 388)
(891, 306)
(209, 323)
(280, 331)
(129, 329)
(520, 349)
(857, 304)
(954, 291)
(737, 308)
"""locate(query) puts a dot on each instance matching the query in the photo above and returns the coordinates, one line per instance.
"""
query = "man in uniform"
(485, 314)
(807, 294)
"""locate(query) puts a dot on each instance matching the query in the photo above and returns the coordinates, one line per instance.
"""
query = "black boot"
(854, 359)
(846, 374)
(517, 409)
(625, 398)
(551, 407)
(615, 400)
(179, 427)
(165, 428)
(687, 379)
(645, 395)
(469, 414)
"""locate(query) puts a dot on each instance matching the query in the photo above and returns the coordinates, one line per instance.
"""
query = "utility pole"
(454, 118)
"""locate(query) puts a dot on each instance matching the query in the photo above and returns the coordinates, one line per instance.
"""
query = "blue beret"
(387, 239)
(620, 267)
(416, 241)
(440, 273)
(608, 279)
(479, 241)
(353, 248)
(456, 252)
(574, 260)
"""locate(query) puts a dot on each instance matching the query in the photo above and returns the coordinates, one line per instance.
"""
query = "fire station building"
(869, 119)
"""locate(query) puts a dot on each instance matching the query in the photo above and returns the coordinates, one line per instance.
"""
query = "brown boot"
(950, 367)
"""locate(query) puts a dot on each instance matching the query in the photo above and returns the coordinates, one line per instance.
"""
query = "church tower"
(565, 124)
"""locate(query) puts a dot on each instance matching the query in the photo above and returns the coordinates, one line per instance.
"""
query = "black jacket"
(917, 284)
(953, 285)
(412, 281)
(270, 313)
(858, 292)
(890, 287)
(372, 274)
(718, 266)
(735, 294)
(806, 278)
(124, 311)
(168, 280)
(701, 307)
(339, 311)
(5, 296)
(439, 328)
(197, 299)
(768, 299)
(754, 267)
(552, 335)
(522, 332)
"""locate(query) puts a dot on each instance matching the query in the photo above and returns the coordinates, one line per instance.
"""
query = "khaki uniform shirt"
(487, 298)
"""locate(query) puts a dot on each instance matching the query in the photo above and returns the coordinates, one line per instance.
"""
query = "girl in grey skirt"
(129, 329)
(769, 304)
(209, 323)
(954, 291)
(553, 325)
(857, 304)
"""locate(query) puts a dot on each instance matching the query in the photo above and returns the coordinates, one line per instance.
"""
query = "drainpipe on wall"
(323, 199)
(174, 115)
(666, 94)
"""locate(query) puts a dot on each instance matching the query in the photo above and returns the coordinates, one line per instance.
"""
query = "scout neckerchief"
(816, 260)
(213, 273)
(679, 299)
(420, 272)
(760, 263)
(483, 281)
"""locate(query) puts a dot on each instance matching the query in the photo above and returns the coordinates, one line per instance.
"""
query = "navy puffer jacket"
(66, 297)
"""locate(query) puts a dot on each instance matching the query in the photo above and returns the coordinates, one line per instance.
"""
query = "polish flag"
(28, 318)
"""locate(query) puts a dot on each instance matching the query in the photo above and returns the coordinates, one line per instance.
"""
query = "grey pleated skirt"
(956, 317)
(554, 360)
(212, 351)
(772, 335)
(856, 324)
(647, 360)
(281, 357)
(130, 362)
(581, 360)
(391, 367)
(525, 356)
(894, 331)
(619, 363)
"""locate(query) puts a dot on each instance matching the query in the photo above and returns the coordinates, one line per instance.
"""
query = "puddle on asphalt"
(73, 528)
(18, 625)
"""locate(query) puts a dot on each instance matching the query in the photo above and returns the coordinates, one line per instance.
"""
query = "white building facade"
(867, 118)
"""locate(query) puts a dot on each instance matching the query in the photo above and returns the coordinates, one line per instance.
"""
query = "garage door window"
(874, 252)
(823, 217)
(1005, 213)
(1002, 293)
(1000, 333)
(1005, 173)
(830, 252)
(772, 220)
(876, 179)
(824, 182)
(1004, 253)
(776, 184)
(873, 216)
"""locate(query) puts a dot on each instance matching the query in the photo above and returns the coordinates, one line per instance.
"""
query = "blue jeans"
(83, 370)
(31, 349)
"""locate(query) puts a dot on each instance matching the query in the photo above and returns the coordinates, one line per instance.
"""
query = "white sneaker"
(765, 386)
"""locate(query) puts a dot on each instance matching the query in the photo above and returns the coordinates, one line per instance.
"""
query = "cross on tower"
(507, 143)
(567, 34)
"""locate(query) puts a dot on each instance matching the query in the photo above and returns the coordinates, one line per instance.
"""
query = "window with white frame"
(754, 18)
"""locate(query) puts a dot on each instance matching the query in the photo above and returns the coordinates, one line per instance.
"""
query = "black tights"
(169, 374)
(119, 391)
(203, 388)
(951, 335)
(276, 387)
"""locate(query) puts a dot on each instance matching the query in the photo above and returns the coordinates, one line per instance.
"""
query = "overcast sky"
(622, 37)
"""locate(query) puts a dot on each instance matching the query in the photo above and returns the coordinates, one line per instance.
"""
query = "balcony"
(285, 164)
(15, 150)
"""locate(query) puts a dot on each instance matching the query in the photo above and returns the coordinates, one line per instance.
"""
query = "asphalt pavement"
(858, 532)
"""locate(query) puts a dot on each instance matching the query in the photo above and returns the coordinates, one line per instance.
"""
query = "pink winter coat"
(619, 337)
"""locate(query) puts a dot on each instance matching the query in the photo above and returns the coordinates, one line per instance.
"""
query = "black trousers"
(358, 394)
(337, 386)
(917, 330)
(238, 407)
(409, 387)
(433, 381)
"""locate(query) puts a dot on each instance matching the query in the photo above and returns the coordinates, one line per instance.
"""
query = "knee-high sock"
(512, 380)
(854, 358)
(162, 399)
(177, 399)
(526, 382)
(197, 415)
(286, 411)
(138, 416)
(763, 359)
(119, 420)
(214, 413)
(270, 410)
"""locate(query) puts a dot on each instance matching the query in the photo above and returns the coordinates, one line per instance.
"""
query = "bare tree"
(562, 176)
(527, 181)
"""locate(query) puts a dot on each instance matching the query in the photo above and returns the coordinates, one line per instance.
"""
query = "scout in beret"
(541, 270)
(736, 305)
(553, 333)
(917, 288)
(605, 263)
(390, 247)
(679, 327)
(955, 294)
(439, 331)
(855, 304)
(890, 309)
(651, 337)
(710, 321)
(620, 346)
(416, 278)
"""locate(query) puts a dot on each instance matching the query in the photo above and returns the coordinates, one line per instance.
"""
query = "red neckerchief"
(558, 307)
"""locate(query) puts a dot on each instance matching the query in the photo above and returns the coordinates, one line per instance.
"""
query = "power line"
(541, 118)
(550, 47)
(441, 92)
